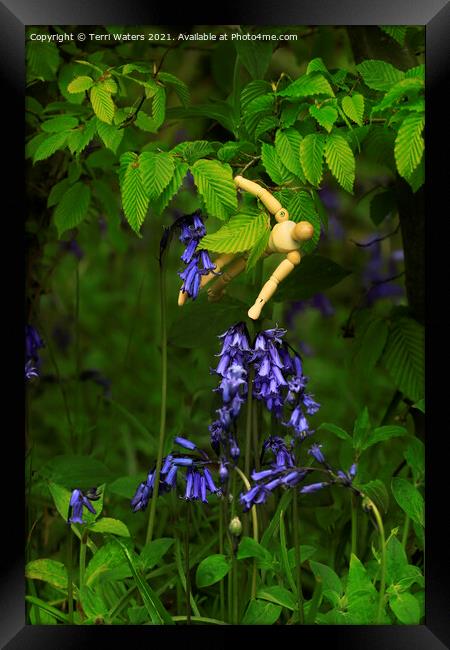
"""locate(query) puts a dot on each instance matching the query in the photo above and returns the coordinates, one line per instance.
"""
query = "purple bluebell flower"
(316, 452)
(33, 343)
(184, 442)
(313, 487)
(346, 478)
(143, 493)
(198, 263)
(78, 500)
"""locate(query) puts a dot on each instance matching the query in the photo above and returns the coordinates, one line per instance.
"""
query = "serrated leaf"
(59, 123)
(409, 144)
(379, 75)
(313, 275)
(57, 192)
(287, 146)
(49, 146)
(301, 207)
(50, 571)
(159, 106)
(397, 32)
(110, 526)
(308, 85)
(215, 183)
(161, 203)
(409, 499)
(273, 165)
(156, 170)
(311, 155)
(110, 134)
(403, 357)
(177, 85)
(79, 138)
(266, 123)
(80, 84)
(261, 613)
(72, 208)
(239, 234)
(409, 86)
(260, 107)
(109, 84)
(253, 90)
(193, 151)
(211, 570)
(258, 250)
(340, 160)
(102, 104)
(134, 197)
(353, 107)
(316, 65)
(326, 116)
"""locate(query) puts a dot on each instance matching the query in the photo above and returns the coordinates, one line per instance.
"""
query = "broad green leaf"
(353, 107)
(108, 525)
(79, 138)
(156, 170)
(289, 114)
(153, 552)
(409, 86)
(57, 192)
(361, 594)
(272, 529)
(397, 32)
(72, 208)
(403, 356)
(253, 90)
(332, 428)
(49, 146)
(384, 433)
(255, 56)
(273, 165)
(231, 150)
(211, 570)
(266, 123)
(177, 85)
(409, 144)
(108, 557)
(239, 234)
(110, 134)
(415, 457)
(278, 595)
(311, 156)
(379, 75)
(61, 498)
(80, 84)
(171, 189)
(108, 83)
(48, 615)
(326, 116)
(51, 571)
(287, 146)
(406, 608)
(92, 602)
(316, 65)
(313, 275)
(192, 151)
(260, 612)
(409, 499)
(371, 347)
(134, 196)
(396, 561)
(248, 547)
(361, 429)
(76, 471)
(60, 123)
(256, 110)
(330, 580)
(102, 104)
(125, 486)
(376, 490)
(258, 250)
(215, 183)
(308, 85)
(340, 160)
(158, 614)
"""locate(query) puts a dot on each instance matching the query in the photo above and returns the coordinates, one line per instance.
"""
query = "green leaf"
(379, 75)
(239, 234)
(177, 85)
(406, 608)
(49, 146)
(403, 357)
(353, 107)
(332, 428)
(156, 170)
(384, 433)
(361, 594)
(161, 203)
(134, 196)
(154, 551)
(404, 87)
(266, 123)
(258, 249)
(330, 580)
(273, 165)
(278, 595)
(261, 613)
(371, 347)
(340, 160)
(301, 207)
(311, 155)
(255, 56)
(102, 104)
(409, 499)
(192, 151)
(72, 208)
(409, 144)
(211, 570)
(80, 137)
(256, 110)
(125, 486)
(80, 84)
(397, 32)
(92, 602)
(316, 65)
(158, 614)
(287, 146)
(108, 557)
(215, 183)
(396, 561)
(59, 123)
(415, 457)
(51, 571)
(326, 116)
(42, 60)
(313, 275)
(376, 490)
(112, 526)
(248, 547)
(61, 498)
(253, 90)
(111, 135)
(308, 85)
(48, 614)
(57, 192)
(76, 471)
(361, 429)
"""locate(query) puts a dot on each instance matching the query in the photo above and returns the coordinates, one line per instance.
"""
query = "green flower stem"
(186, 557)
(162, 425)
(255, 530)
(83, 546)
(354, 547)
(298, 563)
(200, 619)
(221, 549)
(380, 528)
(70, 578)
(405, 531)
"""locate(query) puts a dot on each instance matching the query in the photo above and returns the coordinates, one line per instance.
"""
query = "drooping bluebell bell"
(78, 500)
(33, 343)
(269, 378)
(198, 263)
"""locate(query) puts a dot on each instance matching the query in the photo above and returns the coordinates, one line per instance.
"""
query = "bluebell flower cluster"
(192, 468)
(197, 263)
(33, 343)
(78, 501)
(284, 471)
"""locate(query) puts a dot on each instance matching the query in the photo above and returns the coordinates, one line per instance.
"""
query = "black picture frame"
(15, 15)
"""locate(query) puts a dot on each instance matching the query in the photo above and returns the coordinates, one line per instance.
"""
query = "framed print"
(227, 324)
